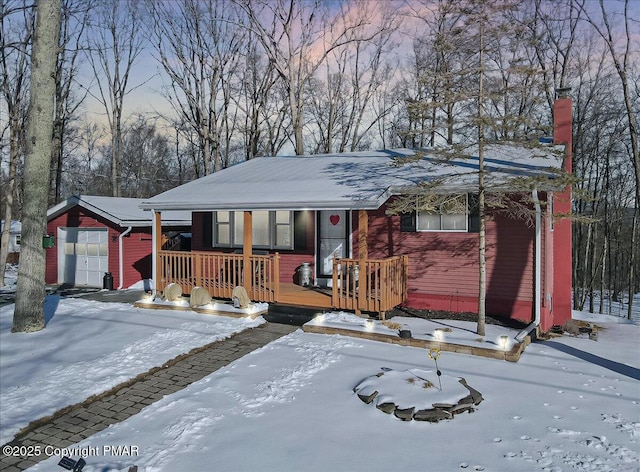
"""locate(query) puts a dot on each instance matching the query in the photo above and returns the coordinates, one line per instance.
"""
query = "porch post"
(247, 250)
(363, 233)
(363, 254)
(156, 239)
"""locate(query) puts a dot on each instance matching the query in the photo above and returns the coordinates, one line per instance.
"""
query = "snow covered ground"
(89, 347)
(570, 404)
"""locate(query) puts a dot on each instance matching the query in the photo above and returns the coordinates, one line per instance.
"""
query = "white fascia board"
(371, 201)
(66, 205)
(271, 206)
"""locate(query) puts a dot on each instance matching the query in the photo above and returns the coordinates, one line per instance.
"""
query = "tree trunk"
(29, 308)
(482, 263)
(632, 262)
(56, 153)
(603, 271)
(14, 153)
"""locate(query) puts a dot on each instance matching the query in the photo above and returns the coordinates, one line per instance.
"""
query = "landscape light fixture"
(434, 354)
(69, 464)
(405, 331)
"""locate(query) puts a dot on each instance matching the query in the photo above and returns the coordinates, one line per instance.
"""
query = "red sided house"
(95, 235)
(318, 231)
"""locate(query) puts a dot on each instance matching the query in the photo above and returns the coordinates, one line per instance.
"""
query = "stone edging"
(440, 411)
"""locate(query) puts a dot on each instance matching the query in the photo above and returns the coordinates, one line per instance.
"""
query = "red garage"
(95, 235)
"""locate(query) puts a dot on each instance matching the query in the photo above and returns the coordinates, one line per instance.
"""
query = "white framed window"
(283, 229)
(452, 215)
(270, 229)
(222, 228)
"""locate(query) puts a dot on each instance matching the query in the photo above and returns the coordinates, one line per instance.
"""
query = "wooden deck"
(359, 285)
(295, 295)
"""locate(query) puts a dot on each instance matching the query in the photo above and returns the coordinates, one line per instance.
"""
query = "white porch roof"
(358, 180)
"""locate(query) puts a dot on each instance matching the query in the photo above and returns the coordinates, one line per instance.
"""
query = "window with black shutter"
(473, 213)
(408, 222)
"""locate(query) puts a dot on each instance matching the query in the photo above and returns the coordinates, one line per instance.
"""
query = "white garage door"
(83, 256)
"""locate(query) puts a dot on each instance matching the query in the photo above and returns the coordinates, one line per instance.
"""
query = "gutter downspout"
(538, 256)
(154, 252)
(121, 256)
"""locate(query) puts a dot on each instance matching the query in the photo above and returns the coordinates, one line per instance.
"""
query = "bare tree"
(263, 114)
(477, 70)
(434, 88)
(148, 166)
(114, 46)
(341, 99)
(83, 168)
(74, 18)
(622, 57)
(15, 59)
(199, 47)
(298, 36)
(30, 294)
(553, 34)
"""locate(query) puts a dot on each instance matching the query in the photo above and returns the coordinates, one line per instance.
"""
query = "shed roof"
(121, 211)
(357, 180)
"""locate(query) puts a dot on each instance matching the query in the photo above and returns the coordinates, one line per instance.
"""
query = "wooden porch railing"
(220, 273)
(370, 285)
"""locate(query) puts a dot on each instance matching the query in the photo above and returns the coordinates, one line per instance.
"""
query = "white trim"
(272, 231)
(121, 256)
(123, 212)
(537, 267)
(154, 253)
(466, 219)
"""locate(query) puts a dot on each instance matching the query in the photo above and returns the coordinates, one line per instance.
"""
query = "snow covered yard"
(89, 347)
(568, 404)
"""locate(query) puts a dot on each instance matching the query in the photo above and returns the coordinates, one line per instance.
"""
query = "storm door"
(333, 240)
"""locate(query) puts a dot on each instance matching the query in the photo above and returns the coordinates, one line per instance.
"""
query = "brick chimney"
(562, 123)
(561, 303)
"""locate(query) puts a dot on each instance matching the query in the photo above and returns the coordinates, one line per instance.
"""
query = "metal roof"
(121, 211)
(358, 180)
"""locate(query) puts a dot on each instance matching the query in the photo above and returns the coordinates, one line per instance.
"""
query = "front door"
(333, 242)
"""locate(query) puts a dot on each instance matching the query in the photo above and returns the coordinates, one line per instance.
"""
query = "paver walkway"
(86, 419)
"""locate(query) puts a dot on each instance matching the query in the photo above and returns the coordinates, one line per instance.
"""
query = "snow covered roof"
(122, 211)
(357, 180)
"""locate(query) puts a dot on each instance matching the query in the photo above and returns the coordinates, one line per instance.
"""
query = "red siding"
(136, 248)
(443, 267)
(137, 256)
(289, 263)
